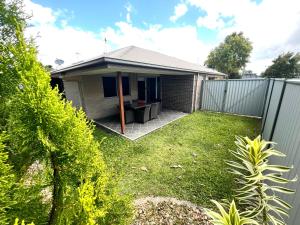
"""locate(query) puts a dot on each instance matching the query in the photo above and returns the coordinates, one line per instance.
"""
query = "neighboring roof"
(136, 56)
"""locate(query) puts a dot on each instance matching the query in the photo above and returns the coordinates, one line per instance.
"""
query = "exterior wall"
(198, 80)
(177, 92)
(180, 93)
(92, 97)
(72, 92)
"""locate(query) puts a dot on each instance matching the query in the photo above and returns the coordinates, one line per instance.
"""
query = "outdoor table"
(136, 106)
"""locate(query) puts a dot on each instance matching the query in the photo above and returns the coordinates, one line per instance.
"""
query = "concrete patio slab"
(134, 131)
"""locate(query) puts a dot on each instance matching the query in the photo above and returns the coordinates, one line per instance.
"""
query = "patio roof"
(125, 59)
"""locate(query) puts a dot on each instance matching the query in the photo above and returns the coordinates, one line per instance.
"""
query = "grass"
(207, 135)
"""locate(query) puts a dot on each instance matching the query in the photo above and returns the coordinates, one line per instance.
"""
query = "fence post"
(201, 93)
(277, 111)
(224, 96)
(267, 110)
(266, 96)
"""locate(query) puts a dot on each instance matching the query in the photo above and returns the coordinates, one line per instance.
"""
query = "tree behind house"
(41, 127)
(284, 66)
(231, 55)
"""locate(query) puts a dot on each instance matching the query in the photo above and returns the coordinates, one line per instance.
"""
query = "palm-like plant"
(259, 182)
(232, 217)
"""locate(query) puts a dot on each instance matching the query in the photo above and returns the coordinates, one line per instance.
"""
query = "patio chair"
(143, 115)
(129, 116)
(154, 110)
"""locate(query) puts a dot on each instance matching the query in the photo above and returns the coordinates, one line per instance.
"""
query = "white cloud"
(128, 8)
(179, 11)
(65, 42)
(73, 44)
(271, 25)
(181, 42)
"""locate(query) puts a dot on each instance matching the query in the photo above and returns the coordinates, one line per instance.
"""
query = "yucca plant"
(259, 182)
(232, 217)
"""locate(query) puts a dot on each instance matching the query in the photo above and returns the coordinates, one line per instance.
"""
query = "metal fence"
(277, 101)
(245, 97)
(281, 124)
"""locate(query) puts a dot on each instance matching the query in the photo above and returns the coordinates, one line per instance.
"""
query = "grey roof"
(140, 56)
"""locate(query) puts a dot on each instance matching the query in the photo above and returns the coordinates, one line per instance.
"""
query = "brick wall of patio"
(177, 92)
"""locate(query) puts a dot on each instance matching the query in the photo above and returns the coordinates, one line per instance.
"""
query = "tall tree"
(42, 127)
(286, 65)
(11, 16)
(7, 181)
(231, 55)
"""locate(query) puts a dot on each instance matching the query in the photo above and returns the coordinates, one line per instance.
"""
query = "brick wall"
(178, 92)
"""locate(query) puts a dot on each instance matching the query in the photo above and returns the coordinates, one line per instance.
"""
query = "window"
(109, 86)
(126, 86)
(211, 78)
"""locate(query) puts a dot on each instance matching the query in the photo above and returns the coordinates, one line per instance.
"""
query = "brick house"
(142, 74)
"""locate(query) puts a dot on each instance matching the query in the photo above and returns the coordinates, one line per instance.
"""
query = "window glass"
(126, 86)
(109, 86)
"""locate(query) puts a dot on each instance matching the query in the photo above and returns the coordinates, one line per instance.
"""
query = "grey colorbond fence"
(281, 124)
(277, 101)
(245, 97)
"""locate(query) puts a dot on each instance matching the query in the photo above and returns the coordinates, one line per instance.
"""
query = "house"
(96, 84)
(248, 74)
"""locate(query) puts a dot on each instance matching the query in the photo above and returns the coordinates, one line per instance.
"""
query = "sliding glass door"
(149, 89)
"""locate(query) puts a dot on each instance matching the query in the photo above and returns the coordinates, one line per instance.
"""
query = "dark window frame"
(104, 84)
(128, 90)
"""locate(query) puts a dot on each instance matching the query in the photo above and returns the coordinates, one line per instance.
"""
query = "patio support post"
(121, 102)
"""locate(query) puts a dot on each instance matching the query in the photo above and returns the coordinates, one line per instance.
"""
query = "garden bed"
(168, 211)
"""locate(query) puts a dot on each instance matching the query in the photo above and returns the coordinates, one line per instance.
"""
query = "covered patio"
(135, 130)
(134, 91)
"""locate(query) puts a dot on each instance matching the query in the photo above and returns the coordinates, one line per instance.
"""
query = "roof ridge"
(182, 60)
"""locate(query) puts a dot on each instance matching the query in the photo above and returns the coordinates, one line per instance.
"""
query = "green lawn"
(198, 142)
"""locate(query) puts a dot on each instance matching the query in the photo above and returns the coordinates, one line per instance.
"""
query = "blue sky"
(187, 29)
(97, 15)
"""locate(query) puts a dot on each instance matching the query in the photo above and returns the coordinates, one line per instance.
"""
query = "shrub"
(22, 223)
(258, 182)
(7, 181)
(43, 127)
(232, 217)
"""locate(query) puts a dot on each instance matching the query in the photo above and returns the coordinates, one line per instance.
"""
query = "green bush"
(258, 184)
(22, 223)
(259, 181)
(46, 129)
(232, 217)
(7, 181)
